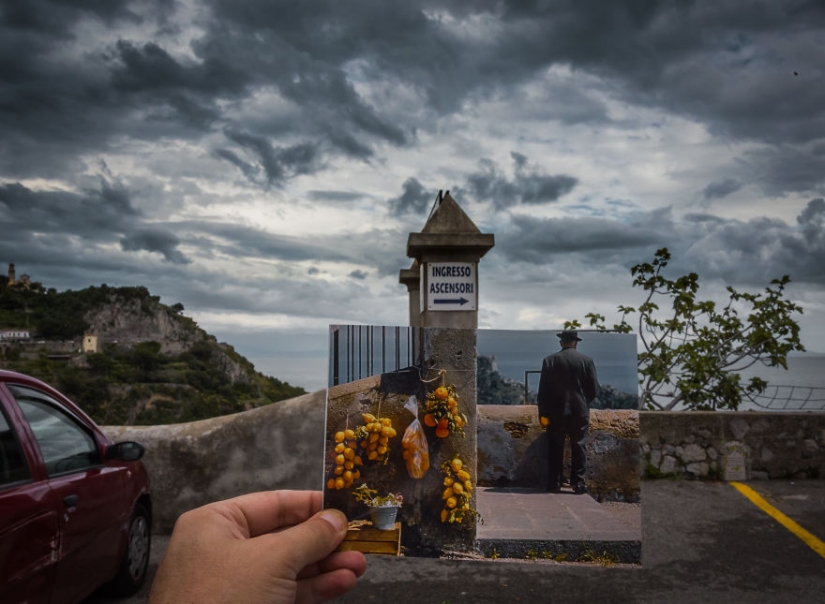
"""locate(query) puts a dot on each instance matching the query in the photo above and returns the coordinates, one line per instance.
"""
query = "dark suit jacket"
(568, 385)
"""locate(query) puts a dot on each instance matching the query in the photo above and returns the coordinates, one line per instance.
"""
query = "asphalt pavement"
(701, 542)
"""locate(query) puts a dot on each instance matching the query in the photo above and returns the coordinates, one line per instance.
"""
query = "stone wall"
(705, 444)
(513, 449)
(280, 446)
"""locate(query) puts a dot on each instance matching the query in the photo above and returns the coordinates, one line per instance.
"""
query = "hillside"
(151, 364)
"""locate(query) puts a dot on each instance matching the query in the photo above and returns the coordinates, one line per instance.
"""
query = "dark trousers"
(576, 429)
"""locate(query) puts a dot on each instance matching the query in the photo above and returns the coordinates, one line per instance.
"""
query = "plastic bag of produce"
(416, 451)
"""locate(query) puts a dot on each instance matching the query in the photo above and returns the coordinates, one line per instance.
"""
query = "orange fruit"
(448, 481)
(452, 402)
(442, 433)
(442, 423)
(430, 421)
(339, 470)
(448, 492)
(348, 465)
(339, 483)
(441, 393)
(331, 483)
(349, 453)
(340, 459)
(349, 434)
(456, 464)
(339, 448)
(339, 437)
(452, 502)
(544, 421)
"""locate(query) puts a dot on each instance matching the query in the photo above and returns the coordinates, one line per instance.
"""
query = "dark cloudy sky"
(262, 161)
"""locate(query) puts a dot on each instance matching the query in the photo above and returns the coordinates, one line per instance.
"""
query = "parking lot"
(701, 542)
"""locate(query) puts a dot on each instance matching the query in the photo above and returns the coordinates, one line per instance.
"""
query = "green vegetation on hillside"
(123, 385)
(54, 315)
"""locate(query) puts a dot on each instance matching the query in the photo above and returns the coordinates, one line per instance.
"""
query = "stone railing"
(273, 447)
(279, 447)
(513, 451)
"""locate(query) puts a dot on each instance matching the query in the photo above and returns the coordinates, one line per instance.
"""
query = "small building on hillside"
(90, 343)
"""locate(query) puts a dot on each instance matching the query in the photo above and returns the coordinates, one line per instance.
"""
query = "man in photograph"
(567, 387)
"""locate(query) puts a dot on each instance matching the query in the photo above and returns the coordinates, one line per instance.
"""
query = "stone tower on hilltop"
(11, 273)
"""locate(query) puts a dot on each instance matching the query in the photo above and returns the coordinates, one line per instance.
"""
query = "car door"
(89, 495)
(29, 537)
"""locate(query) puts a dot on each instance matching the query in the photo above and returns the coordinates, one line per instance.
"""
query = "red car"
(75, 509)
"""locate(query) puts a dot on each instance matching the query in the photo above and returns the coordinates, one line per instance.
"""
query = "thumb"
(312, 540)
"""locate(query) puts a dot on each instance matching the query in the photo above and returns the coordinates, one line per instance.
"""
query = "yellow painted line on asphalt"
(756, 499)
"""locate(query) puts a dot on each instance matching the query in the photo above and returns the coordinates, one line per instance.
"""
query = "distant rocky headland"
(125, 357)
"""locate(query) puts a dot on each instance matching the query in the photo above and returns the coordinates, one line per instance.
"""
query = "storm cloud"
(263, 161)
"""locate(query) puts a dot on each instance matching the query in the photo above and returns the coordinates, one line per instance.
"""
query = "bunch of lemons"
(456, 495)
(347, 461)
(374, 437)
(442, 412)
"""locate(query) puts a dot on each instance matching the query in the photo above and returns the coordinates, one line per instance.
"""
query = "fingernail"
(335, 518)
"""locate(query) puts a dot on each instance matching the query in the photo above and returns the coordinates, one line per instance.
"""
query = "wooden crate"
(362, 537)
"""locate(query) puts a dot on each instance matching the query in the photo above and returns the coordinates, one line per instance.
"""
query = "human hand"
(273, 547)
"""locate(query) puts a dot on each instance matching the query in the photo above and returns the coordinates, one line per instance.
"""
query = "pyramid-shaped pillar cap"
(449, 234)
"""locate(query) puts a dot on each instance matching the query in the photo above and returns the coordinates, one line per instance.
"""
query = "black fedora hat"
(569, 335)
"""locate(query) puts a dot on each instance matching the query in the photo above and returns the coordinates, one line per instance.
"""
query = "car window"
(64, 444)
(13, 466)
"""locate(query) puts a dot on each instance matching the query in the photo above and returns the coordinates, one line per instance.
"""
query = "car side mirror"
(125, 451)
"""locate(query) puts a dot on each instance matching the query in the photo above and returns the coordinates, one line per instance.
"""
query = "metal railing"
(775, 397)
(361, 351)
(527, 386)
(790, 398)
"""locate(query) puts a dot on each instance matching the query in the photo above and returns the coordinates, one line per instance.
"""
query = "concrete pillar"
(444, 304)
(411, 277)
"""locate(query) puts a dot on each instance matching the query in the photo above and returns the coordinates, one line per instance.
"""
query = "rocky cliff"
(152, 364)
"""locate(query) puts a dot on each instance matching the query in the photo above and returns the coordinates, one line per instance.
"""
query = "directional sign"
(451, 286)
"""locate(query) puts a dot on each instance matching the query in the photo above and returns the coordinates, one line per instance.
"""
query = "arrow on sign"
(460, 301)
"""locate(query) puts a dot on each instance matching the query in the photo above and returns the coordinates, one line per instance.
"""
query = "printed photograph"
(400, 443)
(444, 442)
